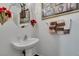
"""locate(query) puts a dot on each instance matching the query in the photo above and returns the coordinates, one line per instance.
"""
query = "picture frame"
(50, 10)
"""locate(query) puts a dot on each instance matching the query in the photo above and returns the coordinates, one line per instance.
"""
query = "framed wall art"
(56, 9)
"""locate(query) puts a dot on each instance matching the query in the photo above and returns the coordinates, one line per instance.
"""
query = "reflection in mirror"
(24, 14)
(21, 13)
(16, 9)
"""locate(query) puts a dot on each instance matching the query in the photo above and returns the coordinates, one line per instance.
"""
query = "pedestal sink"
(26, 45)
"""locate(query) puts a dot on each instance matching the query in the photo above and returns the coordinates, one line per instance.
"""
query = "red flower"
(4, 14)
(9, 13)
(1, 10)
(33, 22)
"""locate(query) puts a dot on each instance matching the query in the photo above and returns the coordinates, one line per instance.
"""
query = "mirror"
(16, 9)
(21, 13)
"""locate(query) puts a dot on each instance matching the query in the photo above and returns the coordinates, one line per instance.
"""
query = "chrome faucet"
(25, 37)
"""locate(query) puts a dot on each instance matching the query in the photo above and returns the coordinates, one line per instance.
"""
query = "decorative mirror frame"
(58, 9)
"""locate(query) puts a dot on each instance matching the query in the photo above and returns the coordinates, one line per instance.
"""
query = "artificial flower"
(4, 8)
(4, 15)
(1, 10)
(8, 13)
(33, 22)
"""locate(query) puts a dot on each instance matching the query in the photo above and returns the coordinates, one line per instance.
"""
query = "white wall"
(7, 32)
(57, 44)
(69, 43)
(49, 44)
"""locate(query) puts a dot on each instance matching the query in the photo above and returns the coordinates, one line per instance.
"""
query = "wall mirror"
(21, 13)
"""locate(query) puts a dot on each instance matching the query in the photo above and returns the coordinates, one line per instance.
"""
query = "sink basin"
(26, 44)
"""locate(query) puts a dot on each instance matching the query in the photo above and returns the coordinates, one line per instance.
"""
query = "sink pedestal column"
(29, 52)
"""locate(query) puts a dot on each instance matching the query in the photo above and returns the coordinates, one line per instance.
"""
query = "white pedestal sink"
(26, 45)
